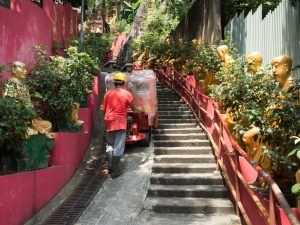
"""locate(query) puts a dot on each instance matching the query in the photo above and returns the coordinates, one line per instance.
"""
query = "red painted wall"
(21, 27)
(26, 25)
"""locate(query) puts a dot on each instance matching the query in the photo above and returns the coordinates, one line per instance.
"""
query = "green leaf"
(295, 188)
(127, 4)
(298, 153)
(292, 152)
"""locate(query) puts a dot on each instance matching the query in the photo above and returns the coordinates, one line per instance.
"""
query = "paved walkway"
(120, 201)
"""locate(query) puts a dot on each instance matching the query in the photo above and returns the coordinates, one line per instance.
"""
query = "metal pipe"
(81, 22)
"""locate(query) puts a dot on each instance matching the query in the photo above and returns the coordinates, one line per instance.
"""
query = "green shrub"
(58, 84)
(95, 45)
(15, 118)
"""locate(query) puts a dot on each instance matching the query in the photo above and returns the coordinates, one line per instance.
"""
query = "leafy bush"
(95, 45)
(15, 118)
(121, 26)
(208, 59)
(128, 13)
(258, 100)
(81, 68)
(58, 84)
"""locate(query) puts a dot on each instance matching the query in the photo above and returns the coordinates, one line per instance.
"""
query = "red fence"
(26, 24)
(239, 169)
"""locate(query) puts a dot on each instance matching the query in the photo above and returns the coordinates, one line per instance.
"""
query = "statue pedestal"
(33, 155)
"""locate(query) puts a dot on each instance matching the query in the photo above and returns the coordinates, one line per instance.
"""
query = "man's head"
(119, 79)
(281, 67)
(222, 51)
(18, 70)
(254, 62)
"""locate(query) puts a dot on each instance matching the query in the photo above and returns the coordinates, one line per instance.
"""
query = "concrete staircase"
(185, 187)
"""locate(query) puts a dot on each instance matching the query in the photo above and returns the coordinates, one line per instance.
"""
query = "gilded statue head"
(254, 62)
(180, 41)
(281, 67)
(222, 51)
(195, 42)
(18, 70)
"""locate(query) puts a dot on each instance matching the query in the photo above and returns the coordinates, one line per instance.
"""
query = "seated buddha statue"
(16, 87)
(254, 62)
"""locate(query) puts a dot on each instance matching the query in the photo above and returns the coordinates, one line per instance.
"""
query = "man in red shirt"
(115, 105)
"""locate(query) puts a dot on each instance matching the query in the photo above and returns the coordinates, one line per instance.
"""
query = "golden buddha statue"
(17, 88)
(209, 78)
(223, 53)
(254, 62)
(197, 45)
(282, 67)
(144, 56)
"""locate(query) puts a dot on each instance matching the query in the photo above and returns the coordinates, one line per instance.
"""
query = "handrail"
(174, 79)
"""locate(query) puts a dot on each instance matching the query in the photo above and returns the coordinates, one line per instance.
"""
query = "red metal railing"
(239, 170)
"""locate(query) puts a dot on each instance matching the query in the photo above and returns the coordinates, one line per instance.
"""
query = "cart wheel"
(146, 142)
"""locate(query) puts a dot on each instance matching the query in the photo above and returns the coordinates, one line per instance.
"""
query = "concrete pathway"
(120, 201)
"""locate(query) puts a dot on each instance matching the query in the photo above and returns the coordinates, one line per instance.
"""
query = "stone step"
(170, 102)
(177, 131)
(187, 179)
(172, 105)
(161, 95)
(166, 121)
(181, 117)
(191, 191)
(181, 143)
(184, 168)
(172, 108)
(192, 219)
(205, 158)
(164, 91)
(171, 97)
(182, 150)
(189, 205)
(172, 137)
(171, 113)
(177, 105)
(178, 125)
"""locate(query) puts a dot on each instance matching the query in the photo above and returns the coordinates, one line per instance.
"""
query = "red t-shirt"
(115, 104)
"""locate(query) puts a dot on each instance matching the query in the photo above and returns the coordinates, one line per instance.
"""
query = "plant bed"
(24, 194)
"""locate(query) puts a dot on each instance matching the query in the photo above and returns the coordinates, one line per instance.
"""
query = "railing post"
(237, 188)
(181, 86)
(220, 145)
(173, 79)
(272, 204)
